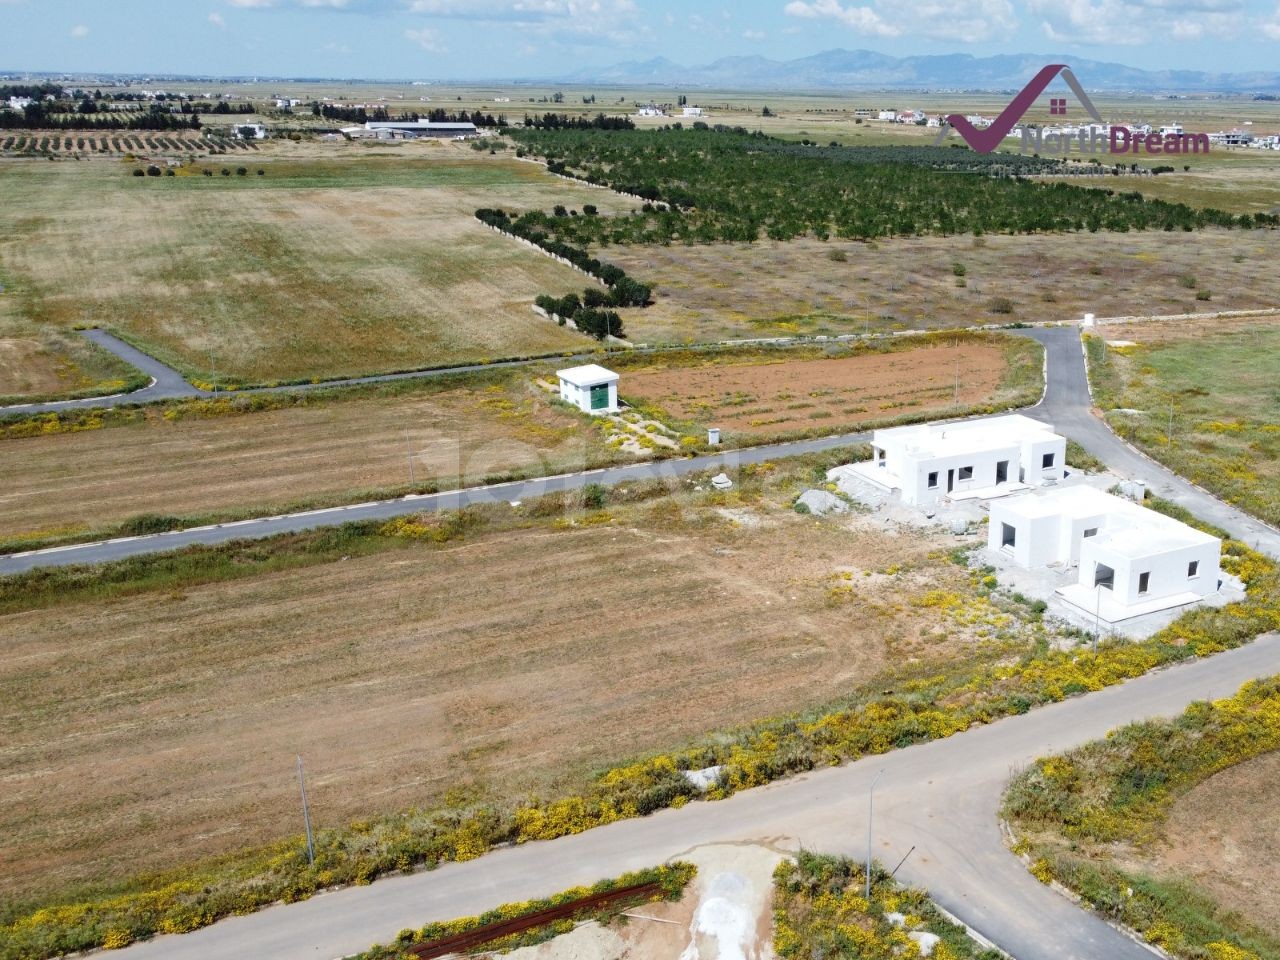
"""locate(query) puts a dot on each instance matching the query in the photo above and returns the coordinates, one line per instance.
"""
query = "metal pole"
(306, 815)
(1170, 424)
(871, 810)
(409, 453)
(1097, 614)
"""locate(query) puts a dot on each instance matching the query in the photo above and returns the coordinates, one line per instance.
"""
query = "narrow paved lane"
(939, 797)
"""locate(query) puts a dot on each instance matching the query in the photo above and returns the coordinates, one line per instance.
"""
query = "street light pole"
(871, 810)
(306, 815)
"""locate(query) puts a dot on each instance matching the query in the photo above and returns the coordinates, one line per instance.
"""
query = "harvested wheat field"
(162, 727)
(199, 463)
(1224, 836)
(332, 265)
(770, 288)
(792, 395)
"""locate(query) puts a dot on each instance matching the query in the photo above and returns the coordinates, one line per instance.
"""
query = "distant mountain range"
(866, 69)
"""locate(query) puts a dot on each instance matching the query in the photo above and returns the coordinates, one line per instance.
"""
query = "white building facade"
(591, 388)
(1129, 560)
(929, 462)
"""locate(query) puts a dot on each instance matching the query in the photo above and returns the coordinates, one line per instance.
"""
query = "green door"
(600, 396)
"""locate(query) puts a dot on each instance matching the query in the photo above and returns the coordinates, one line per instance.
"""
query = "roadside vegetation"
(820, 909)
(972, 657)
(670, 879)
(1199, 397)
(1092, 819)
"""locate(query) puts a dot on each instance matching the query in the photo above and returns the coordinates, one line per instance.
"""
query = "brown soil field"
(1225, 837)
(64, 483)
(803, 394)
(769, 288)
(149, 731)
(335, 262)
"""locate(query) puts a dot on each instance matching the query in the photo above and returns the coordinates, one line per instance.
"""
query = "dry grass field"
(151, 730)
(340, 259)
(1217, 381)
(804, 394)
(807, 286)
(1225, 837)
(64, 484)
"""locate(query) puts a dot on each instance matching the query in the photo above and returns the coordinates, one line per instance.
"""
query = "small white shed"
(591, 388)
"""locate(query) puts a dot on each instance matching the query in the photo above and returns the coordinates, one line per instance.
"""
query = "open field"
(179, 743)
(1239, 180)
(803, 394)
(1224, 835)
(1216, 381)
(768, 288)
(340, 259)
(63, 484)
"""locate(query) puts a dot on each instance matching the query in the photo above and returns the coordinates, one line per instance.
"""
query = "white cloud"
(964, 21)
(753, 34)
(859, 19)
(426, 38)
(216, 19)
(1271, 26)
(562, 20)
(79, 31)
(1133, 22)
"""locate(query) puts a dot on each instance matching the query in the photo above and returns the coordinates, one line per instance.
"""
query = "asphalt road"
(939, 797)
(1065, 405)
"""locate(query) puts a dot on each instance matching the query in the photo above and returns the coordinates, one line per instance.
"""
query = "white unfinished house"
(591, 388)
(1130, 560)
(926, 463)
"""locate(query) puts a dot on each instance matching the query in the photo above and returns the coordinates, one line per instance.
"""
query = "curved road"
(1066, 405)
(939, 797)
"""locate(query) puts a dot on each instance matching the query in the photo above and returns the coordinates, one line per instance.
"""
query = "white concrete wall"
(580, 397)
(1168, 571)
(914, 473)
(1037, 540)
(1033, 453)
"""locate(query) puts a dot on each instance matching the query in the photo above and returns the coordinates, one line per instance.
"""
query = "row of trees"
(36, 117)
(590, 318)
(562, 121)
(381, 115)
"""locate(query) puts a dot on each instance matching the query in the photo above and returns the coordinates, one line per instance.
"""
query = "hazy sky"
(463, 39)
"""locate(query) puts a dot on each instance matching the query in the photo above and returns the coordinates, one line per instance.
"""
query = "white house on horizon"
(591, 388)
(925, 463)
(1130, 560)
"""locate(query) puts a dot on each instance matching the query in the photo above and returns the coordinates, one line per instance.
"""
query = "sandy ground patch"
(800, 394)
(1225, 837)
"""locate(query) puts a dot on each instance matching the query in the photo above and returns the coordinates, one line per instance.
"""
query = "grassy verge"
(820, 909)
(1081, 811)
(672, 879)
(900, 711)
(1168, 396)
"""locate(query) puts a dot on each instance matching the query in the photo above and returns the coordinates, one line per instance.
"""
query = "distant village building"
(286, 103)
(1131, 560)
(691, 112)
(591, 388)
(20, 103)
(889, 115)
(409, 130)
(925, 463)
(249, 131)
(650, 110)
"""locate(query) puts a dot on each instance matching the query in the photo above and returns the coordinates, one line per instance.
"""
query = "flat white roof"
(416, 125)
(940, 439)
(587, 375)
(1127, 528)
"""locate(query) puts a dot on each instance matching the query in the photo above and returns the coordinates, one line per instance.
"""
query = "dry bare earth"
(152, 730)
(770, 289)
(60, 484)
(1225, 836)
(333, 263)
(802, 394)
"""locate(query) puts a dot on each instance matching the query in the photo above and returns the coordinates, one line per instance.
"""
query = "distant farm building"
(249, 131)
(591, 388)
(926, 463)
(1131, 560)
(650, 110)
(409, 130)
(691, 112)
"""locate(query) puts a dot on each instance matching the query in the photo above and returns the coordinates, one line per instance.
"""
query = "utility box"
(713, 436)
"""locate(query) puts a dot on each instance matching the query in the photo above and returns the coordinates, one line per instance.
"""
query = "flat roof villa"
(591, 388)
(974, 459)
(1130, 560)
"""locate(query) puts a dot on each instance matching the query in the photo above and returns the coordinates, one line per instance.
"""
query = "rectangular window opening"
(1104, 576)
(1047, 461)
(1091, 532)
(933, 480)
(1008, 535)
(1193, 569)
(1144, 583)
(966, 473)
